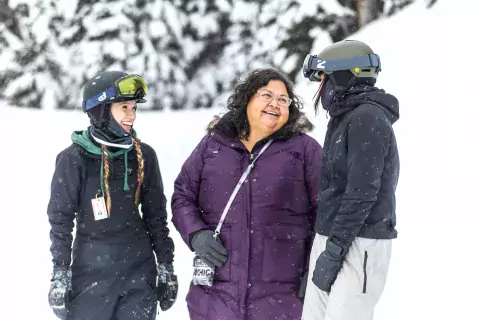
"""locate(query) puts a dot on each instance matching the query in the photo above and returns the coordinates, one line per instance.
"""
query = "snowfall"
(428, 60)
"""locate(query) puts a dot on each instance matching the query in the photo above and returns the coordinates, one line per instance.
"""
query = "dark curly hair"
(244, 91)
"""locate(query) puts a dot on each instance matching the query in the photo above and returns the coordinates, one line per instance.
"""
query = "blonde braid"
(106, 173)
(140, 170)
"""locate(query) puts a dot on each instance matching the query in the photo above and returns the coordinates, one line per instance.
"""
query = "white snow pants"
(358, 286)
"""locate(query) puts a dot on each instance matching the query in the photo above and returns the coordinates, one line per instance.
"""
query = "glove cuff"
(61, 268)
(165, 267)
(335, 249)
(165, 272)
(61, 273)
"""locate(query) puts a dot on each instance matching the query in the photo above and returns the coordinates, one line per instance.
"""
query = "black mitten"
(60, 290)
(167, 286)
(328, 265)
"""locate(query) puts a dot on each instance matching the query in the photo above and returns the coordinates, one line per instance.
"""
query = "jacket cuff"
(189, 228)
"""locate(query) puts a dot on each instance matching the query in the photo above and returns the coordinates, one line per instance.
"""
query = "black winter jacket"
(360, 168)
(77, 180)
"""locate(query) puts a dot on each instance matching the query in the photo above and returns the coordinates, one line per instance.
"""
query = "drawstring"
(125, 178)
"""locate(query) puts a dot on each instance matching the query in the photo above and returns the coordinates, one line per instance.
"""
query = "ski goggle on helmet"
(363, 66)
(130, 87)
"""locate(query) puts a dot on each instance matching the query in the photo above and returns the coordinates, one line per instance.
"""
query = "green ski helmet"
(345, 62)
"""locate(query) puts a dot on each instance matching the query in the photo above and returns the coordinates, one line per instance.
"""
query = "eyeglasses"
(267, 96)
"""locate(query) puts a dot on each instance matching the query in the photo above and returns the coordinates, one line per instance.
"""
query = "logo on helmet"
(321, 64)
(102, 97)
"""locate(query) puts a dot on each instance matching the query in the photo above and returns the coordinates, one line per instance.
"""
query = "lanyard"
(237, 188)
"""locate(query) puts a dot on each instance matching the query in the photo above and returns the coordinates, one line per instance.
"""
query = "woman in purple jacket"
(261, 254)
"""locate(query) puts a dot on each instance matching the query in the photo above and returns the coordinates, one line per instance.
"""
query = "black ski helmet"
(99, 93)
(102, 82)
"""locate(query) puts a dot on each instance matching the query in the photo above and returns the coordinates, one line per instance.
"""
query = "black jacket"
(360, 168)
(77, 180)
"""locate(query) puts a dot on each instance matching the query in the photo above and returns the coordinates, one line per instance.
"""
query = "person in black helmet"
(356, 216)
(100, 180)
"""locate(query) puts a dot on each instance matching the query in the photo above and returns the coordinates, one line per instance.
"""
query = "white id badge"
(99, 208)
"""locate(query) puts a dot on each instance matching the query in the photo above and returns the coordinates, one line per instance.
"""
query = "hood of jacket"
(358, 95)
(226, 126)
(83, 139)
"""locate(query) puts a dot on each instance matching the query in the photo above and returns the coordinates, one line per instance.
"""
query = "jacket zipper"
(365, 258)
(248, 207)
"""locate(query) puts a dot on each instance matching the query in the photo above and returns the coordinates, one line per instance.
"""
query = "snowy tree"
(28, 74)
(393, 6)
(430, 3)
(191, 52)
(10, 17)
(368, 10)
(204, 42)
(276, 33)
(296, 24)
(138, 36)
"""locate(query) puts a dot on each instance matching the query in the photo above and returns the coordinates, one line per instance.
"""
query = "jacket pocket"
(85, 290)
(365, 260)
(223, 273)
(284, 253)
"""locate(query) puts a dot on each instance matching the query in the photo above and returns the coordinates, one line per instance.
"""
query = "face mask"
(327, 93)
(105, 128)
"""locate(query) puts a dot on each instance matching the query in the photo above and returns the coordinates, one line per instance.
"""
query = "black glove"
(328, 265)
(167, 286)
(208, 248)
(303, 286)
(60, 290)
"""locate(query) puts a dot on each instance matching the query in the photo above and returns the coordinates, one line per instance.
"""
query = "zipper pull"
(251, 159)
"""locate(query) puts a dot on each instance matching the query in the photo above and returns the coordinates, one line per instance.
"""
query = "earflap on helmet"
(100, 116)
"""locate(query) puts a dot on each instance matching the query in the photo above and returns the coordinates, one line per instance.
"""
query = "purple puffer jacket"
(268, 230)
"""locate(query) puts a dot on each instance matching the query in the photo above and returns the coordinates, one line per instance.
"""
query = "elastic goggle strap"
(316, 64)
(99, 98)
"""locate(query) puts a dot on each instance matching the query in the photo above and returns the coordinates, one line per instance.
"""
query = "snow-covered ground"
(428, 63)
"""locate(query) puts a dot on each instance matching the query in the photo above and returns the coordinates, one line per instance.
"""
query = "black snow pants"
(113, 281)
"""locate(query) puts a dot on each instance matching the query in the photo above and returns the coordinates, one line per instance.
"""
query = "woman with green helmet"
(356, 215)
